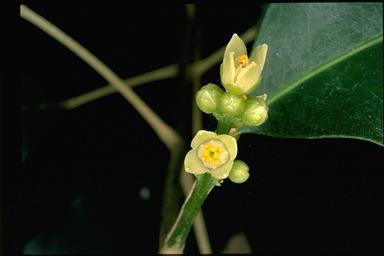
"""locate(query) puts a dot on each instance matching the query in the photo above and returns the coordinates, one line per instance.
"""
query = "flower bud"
(231, 105)
(207, 98)
(255, 111)
(239, 172)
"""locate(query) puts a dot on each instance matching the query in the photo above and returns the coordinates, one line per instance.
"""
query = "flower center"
(241, 61)
(213, 154)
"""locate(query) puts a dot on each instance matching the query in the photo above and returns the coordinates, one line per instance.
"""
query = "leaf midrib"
(362, 46)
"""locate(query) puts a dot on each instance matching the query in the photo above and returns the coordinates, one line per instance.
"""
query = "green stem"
(176, 238)
(165, 132)
(223, 127)
(175, 241)
(224, 124)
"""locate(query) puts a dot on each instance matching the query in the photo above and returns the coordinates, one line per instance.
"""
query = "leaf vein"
(362, 46)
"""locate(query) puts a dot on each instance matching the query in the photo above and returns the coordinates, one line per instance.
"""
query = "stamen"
(213, 154)
(241, 61)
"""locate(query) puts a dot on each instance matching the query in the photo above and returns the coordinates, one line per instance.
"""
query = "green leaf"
(324, 71)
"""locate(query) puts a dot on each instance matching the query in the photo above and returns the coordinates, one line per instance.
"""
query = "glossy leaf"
(324, 71)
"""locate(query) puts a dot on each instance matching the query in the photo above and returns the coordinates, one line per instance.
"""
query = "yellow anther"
(211, 153)
(241, 61)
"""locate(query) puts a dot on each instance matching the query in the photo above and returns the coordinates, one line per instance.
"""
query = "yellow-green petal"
(248, 77)
(222, 172)
(259, 54)
(228, 68)
(230, 143)
(201, 137)
(233, 88)
(193, 164)
(236, 45)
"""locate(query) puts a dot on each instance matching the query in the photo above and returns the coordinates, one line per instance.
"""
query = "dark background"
(78, 188)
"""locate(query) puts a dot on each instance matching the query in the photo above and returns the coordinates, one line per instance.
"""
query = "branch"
(158, 74)
(166, 134)
(177, 236)
(198, 69)
(187, 180)
(175, 240)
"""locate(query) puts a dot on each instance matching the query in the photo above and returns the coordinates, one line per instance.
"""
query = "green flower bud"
(255, 111)
(239, 172)
(231, 105)
(207, 98)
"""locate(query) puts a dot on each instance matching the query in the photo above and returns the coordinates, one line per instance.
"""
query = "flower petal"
(201, 137)
(236, 45)
(193, 164)
(228, 69)
(230, 143)
(222, 172)
(248, 76)
(234, 89)
(259, 54)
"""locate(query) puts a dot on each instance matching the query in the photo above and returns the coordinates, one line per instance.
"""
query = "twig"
(187, 180)
(166, 134)
(169, 137)
(177, 236)
(158, 74)
(198, 68)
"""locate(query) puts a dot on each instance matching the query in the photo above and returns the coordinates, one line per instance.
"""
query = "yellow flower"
(211, 153)
(240, 75)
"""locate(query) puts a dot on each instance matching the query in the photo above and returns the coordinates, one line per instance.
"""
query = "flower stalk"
(175, 241)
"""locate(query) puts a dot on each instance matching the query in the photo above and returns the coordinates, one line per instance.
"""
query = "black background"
(78, 188)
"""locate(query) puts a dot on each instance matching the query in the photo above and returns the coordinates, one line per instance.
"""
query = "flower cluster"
(240, 76)
(215, 154)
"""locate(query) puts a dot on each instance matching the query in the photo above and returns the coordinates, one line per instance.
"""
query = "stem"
(198, 67)
(154, 75)
(166, 134)
(187, 180)
(176, 238)
(223, 128)
(175, 241)
(172, 197)
(199, 227)
(224, 125)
